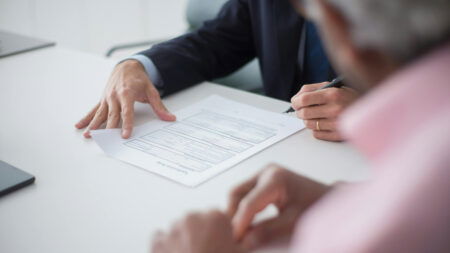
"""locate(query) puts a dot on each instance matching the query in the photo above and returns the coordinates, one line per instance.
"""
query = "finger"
(328, 136)
(312, 87)
(158, 107)
(271, 230)
(176, 234)
(158, 245)
(98, 120)
(113, 114)
(221, 221)
(323, 125)
(308, 99)
(254, 202)
(127, 114)
(88, 118)
(238, 193)
(319, 111)
(219, 218)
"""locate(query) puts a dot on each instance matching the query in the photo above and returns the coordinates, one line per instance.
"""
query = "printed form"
(208, 138)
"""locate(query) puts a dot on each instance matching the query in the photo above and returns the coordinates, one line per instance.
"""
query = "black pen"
(336, 83)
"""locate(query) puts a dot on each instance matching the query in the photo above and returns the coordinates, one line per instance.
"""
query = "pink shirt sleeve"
(405, 208)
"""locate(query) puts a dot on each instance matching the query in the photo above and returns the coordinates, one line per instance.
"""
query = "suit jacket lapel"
(288, 25)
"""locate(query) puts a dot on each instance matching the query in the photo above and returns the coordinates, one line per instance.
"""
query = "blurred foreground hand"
(289, 192)
(198, 233)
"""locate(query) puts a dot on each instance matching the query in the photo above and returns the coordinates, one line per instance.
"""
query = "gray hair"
(403, 29)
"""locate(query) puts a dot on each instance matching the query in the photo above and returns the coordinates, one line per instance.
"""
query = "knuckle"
(294, 99)
(301, 113)
(337, 109)
(155, 91)
(124, 92)
(154, 95)
(295, 105)
(308, 123)
(335, 94)
(98, 113)
(112, 115)
(304, 88)
(303, 99)
(305, 113)
(334, 124)
(127, 121)
(127, 111)
(307, 87)
(115, 118)
(112, 95)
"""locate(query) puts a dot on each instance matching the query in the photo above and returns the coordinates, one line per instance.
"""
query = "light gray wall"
(94, 25)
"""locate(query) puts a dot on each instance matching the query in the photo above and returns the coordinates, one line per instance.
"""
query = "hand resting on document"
(127, 84)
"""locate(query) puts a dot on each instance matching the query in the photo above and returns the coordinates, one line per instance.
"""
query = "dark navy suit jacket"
(244, 29)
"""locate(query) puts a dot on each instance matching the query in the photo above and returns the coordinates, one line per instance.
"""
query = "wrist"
(131, 64)
(133, 70)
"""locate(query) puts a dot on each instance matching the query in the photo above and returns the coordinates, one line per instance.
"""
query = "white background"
(94, 25)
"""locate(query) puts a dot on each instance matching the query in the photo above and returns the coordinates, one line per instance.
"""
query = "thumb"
(271, 230)
(254, 202)
(158, 107)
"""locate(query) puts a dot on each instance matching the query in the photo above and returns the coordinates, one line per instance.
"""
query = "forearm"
(220, 47)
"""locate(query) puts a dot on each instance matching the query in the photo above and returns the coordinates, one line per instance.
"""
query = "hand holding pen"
(320, 105)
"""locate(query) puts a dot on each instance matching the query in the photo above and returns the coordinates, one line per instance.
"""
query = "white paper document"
(208, 138)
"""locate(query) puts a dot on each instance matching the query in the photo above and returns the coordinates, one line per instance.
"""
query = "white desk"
(84, 201)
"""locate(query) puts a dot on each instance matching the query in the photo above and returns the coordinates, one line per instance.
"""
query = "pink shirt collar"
(398, 107)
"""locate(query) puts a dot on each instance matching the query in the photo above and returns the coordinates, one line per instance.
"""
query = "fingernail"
(86, 134)
(125, 134)
(172, 116)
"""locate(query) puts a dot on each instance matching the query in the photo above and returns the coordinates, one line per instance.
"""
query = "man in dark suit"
(287, 46)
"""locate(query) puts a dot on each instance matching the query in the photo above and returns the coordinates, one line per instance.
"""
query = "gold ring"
(317, 126)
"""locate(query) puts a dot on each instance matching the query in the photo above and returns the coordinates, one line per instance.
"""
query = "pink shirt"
(403, 128)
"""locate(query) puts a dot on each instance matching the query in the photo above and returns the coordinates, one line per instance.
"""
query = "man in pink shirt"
(398, 52)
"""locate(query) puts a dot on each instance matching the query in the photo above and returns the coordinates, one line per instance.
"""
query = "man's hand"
(289, 192)
(127, 84)
(320, 109)
(198, 233)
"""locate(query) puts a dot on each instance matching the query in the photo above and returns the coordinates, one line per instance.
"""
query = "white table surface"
(84, 201)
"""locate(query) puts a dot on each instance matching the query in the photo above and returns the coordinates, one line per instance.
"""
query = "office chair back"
(248, 77)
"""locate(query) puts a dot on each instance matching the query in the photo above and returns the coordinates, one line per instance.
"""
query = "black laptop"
(12, 179)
